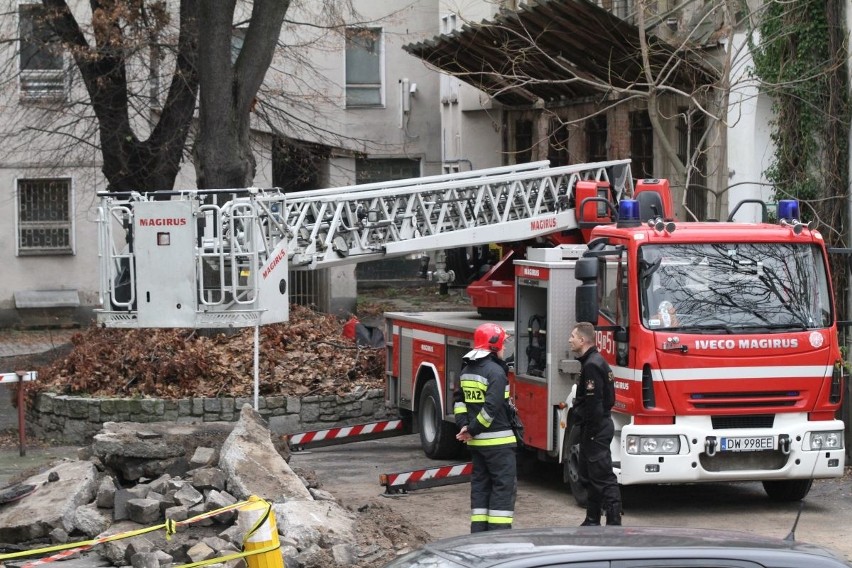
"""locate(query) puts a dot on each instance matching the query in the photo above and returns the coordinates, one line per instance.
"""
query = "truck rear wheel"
(571, 466)
(437, 437)
(786, 490)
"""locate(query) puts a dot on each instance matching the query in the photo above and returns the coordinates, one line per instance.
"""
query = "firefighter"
(595, 398)
(482, 414)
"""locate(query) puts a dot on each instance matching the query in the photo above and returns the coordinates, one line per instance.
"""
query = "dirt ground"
(383, 531)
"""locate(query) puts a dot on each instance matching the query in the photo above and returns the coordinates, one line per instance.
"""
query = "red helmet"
(490, 337)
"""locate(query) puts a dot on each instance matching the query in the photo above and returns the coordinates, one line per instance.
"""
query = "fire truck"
(721, 336)
(739, 380)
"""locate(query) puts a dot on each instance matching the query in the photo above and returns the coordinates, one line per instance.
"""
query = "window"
(523, 141)
(641, 145)
(44, 216)
(557, 149)
(364, 67)
(385, 169)
(596, 132)
(42, 64)
(690, 132)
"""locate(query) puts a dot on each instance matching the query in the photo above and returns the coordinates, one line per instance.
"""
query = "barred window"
(44, 216)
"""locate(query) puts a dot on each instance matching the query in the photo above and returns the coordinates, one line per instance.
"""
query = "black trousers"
(595, 468)
(493, 487)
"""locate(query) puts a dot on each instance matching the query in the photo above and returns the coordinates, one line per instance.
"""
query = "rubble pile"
(138, 475)
(306, 356)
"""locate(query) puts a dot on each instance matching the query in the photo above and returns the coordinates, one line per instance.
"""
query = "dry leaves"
(308, 355)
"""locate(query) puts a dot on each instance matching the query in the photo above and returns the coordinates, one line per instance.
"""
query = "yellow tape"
(230, 557)
(169, 525)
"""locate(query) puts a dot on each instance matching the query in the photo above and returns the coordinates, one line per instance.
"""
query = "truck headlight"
(653, 445)
(824, 440)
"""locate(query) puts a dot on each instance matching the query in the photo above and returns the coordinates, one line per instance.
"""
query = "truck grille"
(740, 461)
(748, 421)
(756, 399)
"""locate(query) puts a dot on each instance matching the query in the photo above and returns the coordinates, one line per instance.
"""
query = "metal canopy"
(555, 50)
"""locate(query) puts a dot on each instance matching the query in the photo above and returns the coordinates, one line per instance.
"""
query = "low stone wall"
(74, 420)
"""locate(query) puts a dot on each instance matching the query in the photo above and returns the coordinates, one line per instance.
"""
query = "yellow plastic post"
(264, 536)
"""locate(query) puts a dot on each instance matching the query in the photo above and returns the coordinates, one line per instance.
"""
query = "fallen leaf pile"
(306, 356)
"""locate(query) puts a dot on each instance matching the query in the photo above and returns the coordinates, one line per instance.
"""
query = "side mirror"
(586, 299)
(586, 303)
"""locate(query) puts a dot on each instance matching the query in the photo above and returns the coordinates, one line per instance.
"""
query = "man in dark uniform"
(595, 397)
(482, 414)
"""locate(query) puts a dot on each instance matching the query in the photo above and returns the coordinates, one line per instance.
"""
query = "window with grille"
(690, 130)
(44, 216)
(557, 148)
(641, 145)
(596, 133)
(42, 65)
(364, 67)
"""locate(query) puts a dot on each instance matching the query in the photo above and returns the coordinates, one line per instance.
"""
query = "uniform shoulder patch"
(610, 377)
(590, 385)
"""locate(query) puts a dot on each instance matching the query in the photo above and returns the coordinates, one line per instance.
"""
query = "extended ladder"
(217, 258)
(331, 227)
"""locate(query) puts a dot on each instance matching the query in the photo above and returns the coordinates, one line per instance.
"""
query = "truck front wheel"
(787, 490)
(437, 437)
(571, 466)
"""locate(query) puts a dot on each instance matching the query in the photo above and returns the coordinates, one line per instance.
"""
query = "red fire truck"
(721, 335)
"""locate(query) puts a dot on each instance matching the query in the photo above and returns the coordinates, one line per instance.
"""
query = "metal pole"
(22, 437)
(256, 366)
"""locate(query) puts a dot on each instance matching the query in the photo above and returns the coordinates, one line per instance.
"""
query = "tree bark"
(222, 152)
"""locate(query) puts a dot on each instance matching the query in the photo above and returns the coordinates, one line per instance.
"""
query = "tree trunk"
(222, 154)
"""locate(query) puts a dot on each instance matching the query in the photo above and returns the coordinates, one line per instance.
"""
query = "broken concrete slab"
(52, 505)
(333, 522)
(253, 465)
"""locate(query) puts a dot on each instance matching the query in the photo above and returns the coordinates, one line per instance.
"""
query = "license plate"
(748, 444)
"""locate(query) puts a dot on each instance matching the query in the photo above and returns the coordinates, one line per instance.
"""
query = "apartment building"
(341, 104)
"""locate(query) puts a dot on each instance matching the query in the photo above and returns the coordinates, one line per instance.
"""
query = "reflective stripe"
(479, 511)
(499, 520)
(459, 408)
(493, 442)
(481, 420)
(473, 379)
(495, 434)
(507, 391)
(498, 513)
(485, 416)
(479, 518)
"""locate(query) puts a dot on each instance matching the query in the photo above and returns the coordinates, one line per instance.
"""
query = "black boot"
(593, 517)
(613, 515)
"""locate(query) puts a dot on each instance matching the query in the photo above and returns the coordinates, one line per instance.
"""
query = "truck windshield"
(733, 287)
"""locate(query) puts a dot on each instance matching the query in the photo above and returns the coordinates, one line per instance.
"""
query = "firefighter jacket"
(595, 390)
(481, 403)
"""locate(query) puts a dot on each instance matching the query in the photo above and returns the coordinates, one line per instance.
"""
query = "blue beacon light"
(628, 210)
(788, 209)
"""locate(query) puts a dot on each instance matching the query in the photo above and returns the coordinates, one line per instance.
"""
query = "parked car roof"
(618, 547)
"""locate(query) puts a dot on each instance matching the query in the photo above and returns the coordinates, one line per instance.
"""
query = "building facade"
(341, 104)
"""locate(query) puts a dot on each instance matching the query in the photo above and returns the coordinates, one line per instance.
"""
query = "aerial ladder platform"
(221, 258)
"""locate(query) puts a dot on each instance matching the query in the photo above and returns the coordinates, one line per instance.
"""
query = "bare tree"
(541, 57)
(120, 30)
(155, 91)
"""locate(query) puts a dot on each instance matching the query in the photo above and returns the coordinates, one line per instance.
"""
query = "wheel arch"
(425, 373)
